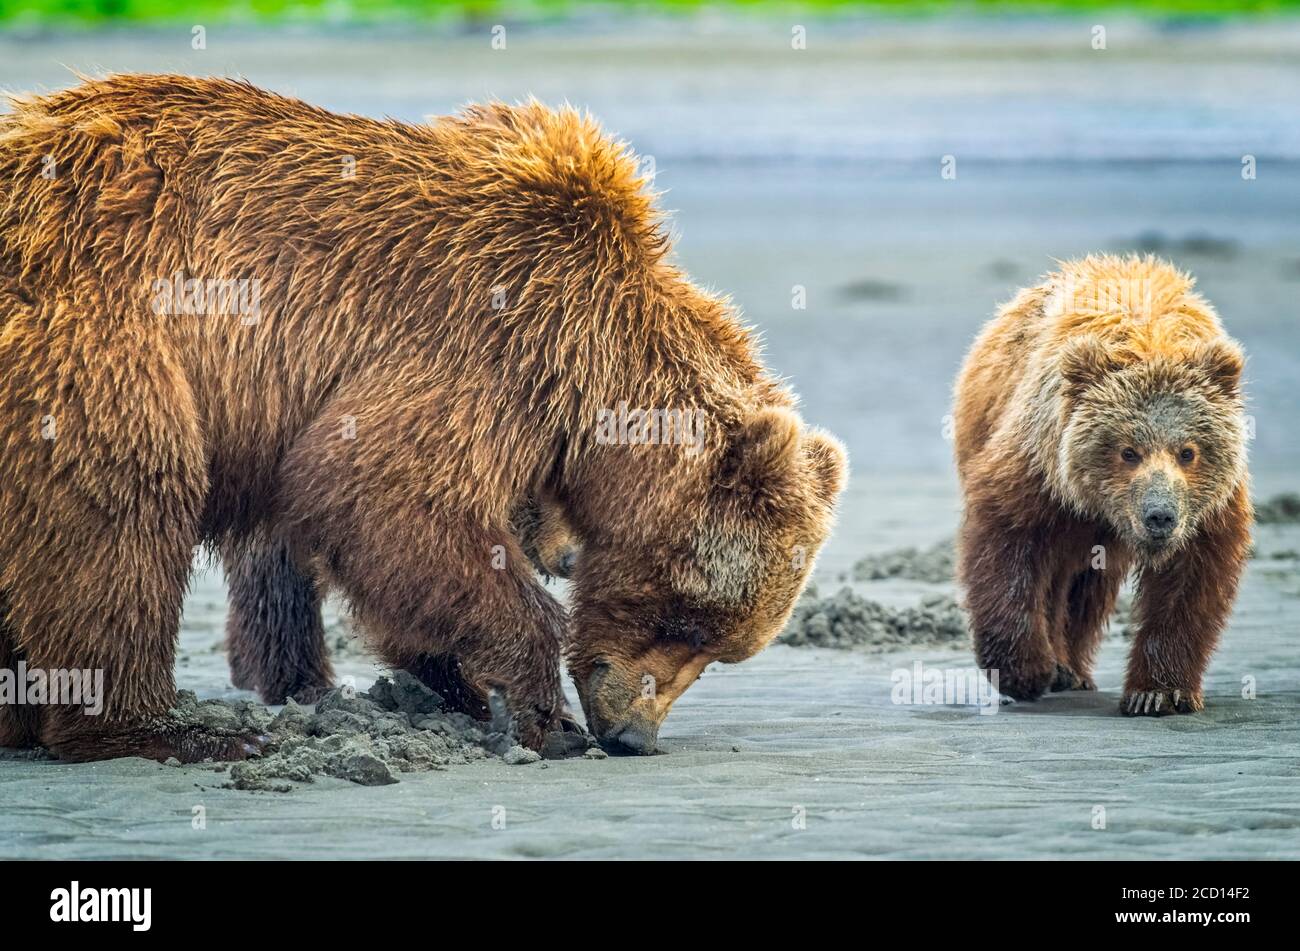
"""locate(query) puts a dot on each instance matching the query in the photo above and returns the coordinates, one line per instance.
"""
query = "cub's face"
(648, 619)
(1152, 446)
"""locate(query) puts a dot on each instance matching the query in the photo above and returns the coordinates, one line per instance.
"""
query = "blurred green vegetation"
(91, 12)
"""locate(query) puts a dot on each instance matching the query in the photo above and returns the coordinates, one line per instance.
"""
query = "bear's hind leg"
(20, 724)
(275, 637)
(111, 607)
(101, 486)
(1056, 607)
(116, 617)
(1091, 601)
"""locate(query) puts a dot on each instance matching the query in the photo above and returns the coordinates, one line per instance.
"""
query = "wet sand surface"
(799, 752)
(775, 182)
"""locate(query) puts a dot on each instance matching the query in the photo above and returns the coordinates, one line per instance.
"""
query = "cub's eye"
(1186, 455)
(1131, 456)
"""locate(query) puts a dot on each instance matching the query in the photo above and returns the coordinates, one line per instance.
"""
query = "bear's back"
(1142, 306)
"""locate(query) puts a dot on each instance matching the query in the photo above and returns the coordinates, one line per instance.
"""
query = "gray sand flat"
(751, 748)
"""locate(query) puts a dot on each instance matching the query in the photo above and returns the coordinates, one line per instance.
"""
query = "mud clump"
(398, 726)
(848, 621)
(1281, 509)
(937, 563)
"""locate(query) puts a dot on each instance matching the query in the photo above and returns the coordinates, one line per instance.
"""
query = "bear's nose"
(640, 736)
(638, 739)
(567, 562)
(1159, 520)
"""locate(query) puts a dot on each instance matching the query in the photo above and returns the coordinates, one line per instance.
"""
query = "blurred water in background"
(820, 169)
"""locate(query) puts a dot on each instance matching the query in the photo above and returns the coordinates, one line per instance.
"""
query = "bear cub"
(1100, 430)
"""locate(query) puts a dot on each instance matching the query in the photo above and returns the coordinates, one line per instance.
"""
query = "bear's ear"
(1084, 362)
(762, 451)
(1221, 361)
(829, 463)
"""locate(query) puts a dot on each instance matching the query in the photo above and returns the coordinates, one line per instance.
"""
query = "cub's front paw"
(1067, 679)
(1158, 702)
(1021, 684)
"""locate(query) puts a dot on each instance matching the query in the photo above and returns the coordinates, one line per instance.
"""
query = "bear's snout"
(613, 715)
(1159, 513)
(639, 736)
(626, 700)
(1159, 519)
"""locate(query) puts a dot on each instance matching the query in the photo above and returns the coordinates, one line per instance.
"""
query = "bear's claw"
(565, 737)
(1156, 703)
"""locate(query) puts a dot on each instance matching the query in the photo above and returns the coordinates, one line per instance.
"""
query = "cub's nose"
(568, 561)
(1159, 520)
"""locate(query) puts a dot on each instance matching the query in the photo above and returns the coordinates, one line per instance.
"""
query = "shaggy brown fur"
(274, 633)
(444, 311)
(275, 637)
(1099, 427)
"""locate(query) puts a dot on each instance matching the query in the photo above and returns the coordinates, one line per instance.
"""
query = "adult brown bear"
(1099, 428)
(228, 315)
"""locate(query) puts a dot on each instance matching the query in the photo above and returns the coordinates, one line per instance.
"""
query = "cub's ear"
(1084, 362)
(1221, 361)
(829, 463)
(761, 456)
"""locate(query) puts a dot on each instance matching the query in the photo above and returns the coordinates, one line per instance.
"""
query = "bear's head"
(710, 571)
(1152, 444)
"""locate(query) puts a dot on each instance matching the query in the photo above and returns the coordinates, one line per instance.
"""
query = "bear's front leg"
(1001, 574)
(469, 606)
(420, 543)
(441, 592)
(1182, 604)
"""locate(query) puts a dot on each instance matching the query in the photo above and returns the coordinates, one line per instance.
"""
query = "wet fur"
(275, 637)
(1043, 391)
(467, 301)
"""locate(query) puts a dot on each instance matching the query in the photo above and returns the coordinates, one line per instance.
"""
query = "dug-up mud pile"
(398, 726)
(1283, 509)
(938, 563)
(846, 620)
